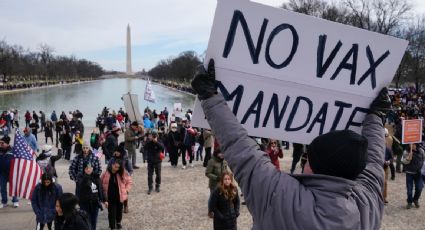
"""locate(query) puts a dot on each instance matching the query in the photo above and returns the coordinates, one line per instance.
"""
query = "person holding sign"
(341, 187)
(414, 162)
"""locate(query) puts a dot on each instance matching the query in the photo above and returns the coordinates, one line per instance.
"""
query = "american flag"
(24, 171)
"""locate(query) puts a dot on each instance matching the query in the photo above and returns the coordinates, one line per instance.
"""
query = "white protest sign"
(293, 77)
(177, 109)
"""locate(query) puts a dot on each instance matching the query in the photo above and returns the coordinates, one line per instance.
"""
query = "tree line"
(390, 17)
(178, 69)
(18, 65)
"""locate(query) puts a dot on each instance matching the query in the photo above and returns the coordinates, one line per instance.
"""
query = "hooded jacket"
(277, 200)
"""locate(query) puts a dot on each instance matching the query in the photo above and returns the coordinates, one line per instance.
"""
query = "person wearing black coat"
(66, 144)
(90, 194)
(225, 203)
(68, 217)
(153, 149)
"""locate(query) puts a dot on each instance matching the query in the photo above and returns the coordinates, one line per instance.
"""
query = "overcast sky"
(96, 29)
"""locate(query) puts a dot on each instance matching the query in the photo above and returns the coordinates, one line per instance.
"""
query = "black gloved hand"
(381, 105)
(204, 83)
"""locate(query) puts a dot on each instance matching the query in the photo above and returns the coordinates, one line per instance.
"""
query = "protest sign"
(177, 109)
(291, 76)
(412, 131)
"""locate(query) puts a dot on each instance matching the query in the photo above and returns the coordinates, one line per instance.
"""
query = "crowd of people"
(162, 135)
(24, 85)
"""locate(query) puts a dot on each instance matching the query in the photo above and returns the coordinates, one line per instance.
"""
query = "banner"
(290, 76)
(131, 104)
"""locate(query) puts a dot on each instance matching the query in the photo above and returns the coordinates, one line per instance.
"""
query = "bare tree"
(382, 16)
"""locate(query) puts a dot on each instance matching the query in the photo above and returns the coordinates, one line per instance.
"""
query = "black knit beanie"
(338, 153)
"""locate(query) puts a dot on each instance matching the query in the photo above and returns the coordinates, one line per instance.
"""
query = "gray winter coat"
(277, 200)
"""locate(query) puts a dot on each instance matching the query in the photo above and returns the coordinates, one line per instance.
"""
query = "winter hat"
(340, 153)
(46, 148)
(87, 164)
(6, 139)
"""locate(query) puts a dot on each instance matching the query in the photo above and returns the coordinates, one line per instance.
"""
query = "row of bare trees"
(19, 65)
(177, 69)
(390, 17)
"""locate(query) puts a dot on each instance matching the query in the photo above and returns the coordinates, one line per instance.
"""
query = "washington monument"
(129, 71)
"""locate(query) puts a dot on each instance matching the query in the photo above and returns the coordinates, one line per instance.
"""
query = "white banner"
(291, 76)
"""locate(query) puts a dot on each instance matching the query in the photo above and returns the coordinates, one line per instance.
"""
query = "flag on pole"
(24, 171)
(149, 95)
(98, 153)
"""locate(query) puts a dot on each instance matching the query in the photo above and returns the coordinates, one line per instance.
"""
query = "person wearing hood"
(46, 160)
(116, 184)
(43, 200)
(76, 169)
(216, 167)
(90, 194)
(173, 144)
(154, 148)
(6, 157)
(341, 187)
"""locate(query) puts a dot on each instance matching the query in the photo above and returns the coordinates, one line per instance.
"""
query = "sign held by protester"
(412, 131)
(290, 76)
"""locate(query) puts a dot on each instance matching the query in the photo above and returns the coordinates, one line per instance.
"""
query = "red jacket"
(274, 156)
(124, 185)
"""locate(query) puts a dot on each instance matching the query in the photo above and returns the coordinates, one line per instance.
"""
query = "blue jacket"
(148, 124)
(5, 158)
(44, 205)
(31, 141)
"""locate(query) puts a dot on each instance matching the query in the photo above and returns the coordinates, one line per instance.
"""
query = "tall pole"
(129, 70)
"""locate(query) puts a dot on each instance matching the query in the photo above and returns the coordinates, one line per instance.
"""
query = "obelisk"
(129, 71)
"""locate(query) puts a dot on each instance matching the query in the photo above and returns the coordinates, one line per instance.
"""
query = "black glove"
(381, 105)
(204, 83)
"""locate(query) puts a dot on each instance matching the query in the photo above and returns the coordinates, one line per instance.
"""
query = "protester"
(216, 167)
(6, 157)
(154, 149)
(388, 159)
(342, 185)
(66, 144)
(274, 152)
(48, 130)
(131, 136)
(298, 150)
(43, 200)
(415, 161)
(76, 169)
(30, 139)
(111, 142)
(208, 144)
(68, 217)
(78, 143)
(116, 183)
(173, 144)
(94, 139)
(46, 160)
(121, 154)
(225, 203)
(90, 194)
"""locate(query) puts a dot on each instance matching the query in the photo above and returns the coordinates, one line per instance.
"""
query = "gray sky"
(96, 29)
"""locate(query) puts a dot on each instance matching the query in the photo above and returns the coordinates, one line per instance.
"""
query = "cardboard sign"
(290, 76)
(412, 131)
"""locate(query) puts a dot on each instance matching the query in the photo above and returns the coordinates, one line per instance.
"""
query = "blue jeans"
(415, 179)
(3, 189)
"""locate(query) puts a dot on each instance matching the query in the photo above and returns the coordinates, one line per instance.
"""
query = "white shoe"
(15, 204)
(3, 205)
(191, 165)
(184, 167)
